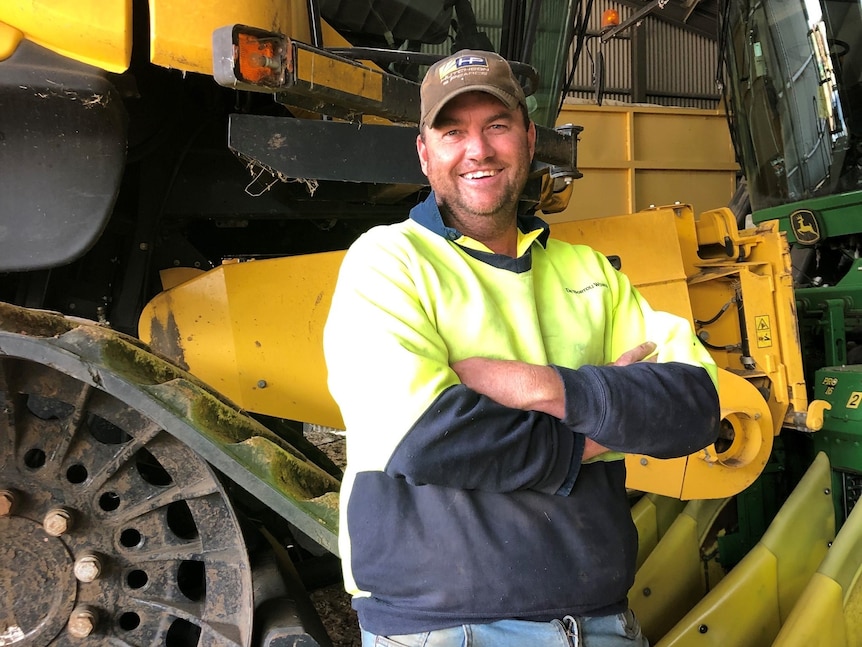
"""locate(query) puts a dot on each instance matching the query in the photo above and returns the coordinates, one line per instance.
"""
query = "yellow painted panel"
(181, 32)
(321, 70)
(644, 517)
(660, 476)
(801, 533)
(683, 136)
(635, 239)
(9, 39)
(710, 474)
(605, 140)
(282, 343)
(636, 156)
(191, 324)
(668, 297)
(853, 611)
(173, 276)
(94, 32)
(253, 331)
(701, 189)
(599, 193)
(844, 561)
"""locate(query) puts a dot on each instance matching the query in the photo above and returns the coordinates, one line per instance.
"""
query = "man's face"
(477, 156)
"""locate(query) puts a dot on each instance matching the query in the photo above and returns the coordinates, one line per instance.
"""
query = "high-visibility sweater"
(456, 509)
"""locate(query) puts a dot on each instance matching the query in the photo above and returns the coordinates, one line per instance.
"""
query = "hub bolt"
(82, 621)
(7, 501)
(88, 567)
(57, 522)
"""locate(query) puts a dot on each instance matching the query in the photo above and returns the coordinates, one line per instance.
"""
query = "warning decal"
(764, 331)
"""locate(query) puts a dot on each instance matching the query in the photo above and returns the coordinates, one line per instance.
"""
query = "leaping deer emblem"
(805, 227)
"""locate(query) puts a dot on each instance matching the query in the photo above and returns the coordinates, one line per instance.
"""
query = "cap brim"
(511, 102)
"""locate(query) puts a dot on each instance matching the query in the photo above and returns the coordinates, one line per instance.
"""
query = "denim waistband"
(616, 630)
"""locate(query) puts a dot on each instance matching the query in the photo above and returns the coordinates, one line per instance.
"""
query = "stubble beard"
(496, 216)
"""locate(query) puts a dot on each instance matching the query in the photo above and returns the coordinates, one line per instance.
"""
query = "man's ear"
(423, 154)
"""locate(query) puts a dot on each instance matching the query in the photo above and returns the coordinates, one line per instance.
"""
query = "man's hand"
(637, 354)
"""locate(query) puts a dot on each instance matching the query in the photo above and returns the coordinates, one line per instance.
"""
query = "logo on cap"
(461, 62)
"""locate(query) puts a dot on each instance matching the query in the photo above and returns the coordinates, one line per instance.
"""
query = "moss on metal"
(214, 419)
(34, 323)
(313, 490)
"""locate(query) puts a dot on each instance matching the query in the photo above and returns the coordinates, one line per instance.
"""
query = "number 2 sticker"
(855, 400)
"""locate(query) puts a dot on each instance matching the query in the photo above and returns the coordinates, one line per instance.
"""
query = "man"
(488, 376)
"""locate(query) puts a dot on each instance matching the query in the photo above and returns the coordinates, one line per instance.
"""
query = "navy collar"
(427, 214)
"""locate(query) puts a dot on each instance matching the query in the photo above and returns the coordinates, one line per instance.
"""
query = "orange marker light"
(610, 18)
(259, 60)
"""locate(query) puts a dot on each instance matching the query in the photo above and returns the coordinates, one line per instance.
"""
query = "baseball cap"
(468, 71)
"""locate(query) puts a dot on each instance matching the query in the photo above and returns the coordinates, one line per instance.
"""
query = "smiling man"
(490, 378)
(477, 157)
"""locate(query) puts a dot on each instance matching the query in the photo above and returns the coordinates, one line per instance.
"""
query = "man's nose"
(479, 146)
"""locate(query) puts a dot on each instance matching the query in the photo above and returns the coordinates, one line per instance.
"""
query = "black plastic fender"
(62, 152)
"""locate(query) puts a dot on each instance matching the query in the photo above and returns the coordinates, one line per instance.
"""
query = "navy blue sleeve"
(468, 441)
(662, 410)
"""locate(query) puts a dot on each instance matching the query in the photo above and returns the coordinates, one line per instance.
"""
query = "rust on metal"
(7, 502)
(88, 568)
(58, 521)
(82, 622)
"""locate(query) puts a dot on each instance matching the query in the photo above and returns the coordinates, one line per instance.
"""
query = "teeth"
(478, 174)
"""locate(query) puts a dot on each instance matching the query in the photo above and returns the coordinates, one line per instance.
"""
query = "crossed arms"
(531, 387)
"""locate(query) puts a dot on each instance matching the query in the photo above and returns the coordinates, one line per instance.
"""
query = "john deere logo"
(805, 227)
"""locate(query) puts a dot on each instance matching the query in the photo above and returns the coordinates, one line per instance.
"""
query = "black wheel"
(110, 529)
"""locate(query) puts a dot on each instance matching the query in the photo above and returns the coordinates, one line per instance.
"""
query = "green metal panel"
(837, 215)
(841, 436)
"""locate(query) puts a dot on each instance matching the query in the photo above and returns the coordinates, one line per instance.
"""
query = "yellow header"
(95, 32)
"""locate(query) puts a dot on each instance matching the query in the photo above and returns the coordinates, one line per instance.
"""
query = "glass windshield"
(536, 32)
(794, 74)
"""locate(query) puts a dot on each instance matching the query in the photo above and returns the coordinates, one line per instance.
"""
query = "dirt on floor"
(339, 619)
(333, 603)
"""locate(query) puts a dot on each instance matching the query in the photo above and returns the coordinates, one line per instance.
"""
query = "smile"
(475, 175)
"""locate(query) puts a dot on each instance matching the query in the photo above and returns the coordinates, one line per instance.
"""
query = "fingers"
(636, 354)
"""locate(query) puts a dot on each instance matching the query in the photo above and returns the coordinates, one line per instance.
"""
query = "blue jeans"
(621, 630)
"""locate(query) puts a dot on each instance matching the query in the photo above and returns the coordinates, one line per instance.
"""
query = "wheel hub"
(111, 530)
(36, 572)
